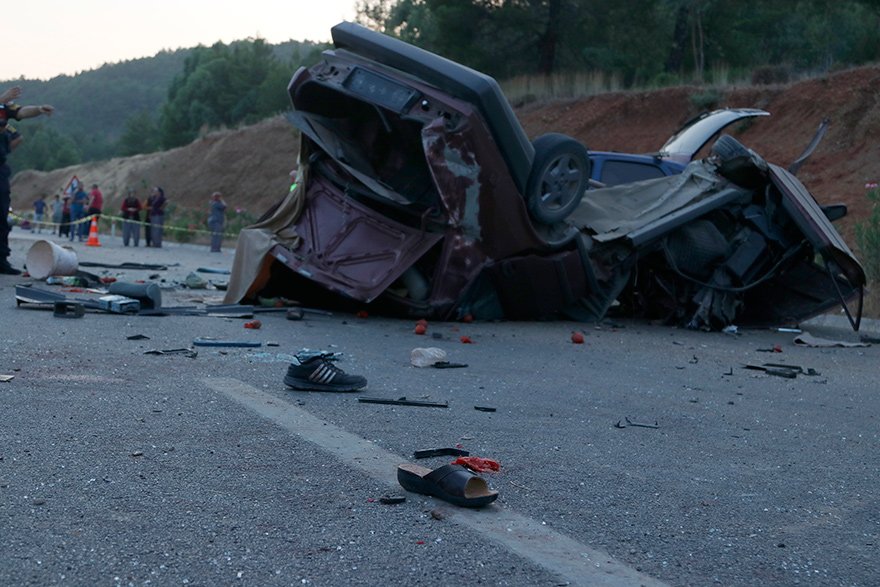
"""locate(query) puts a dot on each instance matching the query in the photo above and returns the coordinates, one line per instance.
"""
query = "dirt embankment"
(250, 165)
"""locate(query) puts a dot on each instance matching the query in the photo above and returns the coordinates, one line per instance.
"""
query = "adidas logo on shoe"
(318, 373)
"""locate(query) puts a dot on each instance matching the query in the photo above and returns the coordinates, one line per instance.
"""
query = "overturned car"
(419, 193)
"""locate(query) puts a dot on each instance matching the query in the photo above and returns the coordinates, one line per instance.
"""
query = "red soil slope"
(250, 165)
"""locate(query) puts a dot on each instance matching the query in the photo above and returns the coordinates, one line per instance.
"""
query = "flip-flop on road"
(452, 483)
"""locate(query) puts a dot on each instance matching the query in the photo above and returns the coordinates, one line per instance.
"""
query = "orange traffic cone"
(93, 234)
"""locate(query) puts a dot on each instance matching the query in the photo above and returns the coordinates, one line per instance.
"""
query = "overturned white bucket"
(45, 258)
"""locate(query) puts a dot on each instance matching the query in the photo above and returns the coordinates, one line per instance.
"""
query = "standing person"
(78, 212)
(96, 201)
(64, 229)
(148, 228)
(9, 139)
(131, 215)
(157, 216)
(39, 213)
(216, 220)
(57, 214)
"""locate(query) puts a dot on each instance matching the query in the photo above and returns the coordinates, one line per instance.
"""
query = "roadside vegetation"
(541, 49)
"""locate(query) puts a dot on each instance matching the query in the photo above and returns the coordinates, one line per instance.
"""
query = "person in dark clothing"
(216, 220)
(9, 139)
(131, 214)
(64, 228)
(148, 230)
(80, 227)
(157, 216)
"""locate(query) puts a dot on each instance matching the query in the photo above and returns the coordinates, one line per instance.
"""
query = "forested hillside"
(147, 105)
(117, 109)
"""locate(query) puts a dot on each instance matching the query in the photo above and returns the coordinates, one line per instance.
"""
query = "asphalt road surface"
(647, 455)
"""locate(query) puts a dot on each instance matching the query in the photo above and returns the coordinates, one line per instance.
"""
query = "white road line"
(576, 563)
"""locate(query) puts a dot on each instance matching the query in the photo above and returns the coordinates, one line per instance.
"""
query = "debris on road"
(808, 340)
(426, 357)
(478, 464)
(783, 370)
(629, 422)
(392, 499)
(190, 353)
(452, 483)
(485, 409)
(402, 402)
(428, 453)
(68, 310)
(6, 378)
(195, 281)
(774, 349)
(448, 365)
(216, 342)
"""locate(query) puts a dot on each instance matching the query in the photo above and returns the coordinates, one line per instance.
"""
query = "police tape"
(113, 219)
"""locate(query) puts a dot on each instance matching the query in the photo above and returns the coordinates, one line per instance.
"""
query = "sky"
(54, 37)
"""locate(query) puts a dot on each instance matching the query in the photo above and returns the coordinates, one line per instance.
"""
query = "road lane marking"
(575, 562)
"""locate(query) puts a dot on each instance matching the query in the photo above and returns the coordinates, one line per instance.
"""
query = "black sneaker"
(318, 373)
(7, 269)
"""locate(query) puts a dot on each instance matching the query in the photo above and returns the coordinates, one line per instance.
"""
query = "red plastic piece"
(467, 318)
(420, 329)
(253, 324)
(466, 340)
(777, 348)
(478, 464)
(577, 338)
(362, 314)
(108, 279)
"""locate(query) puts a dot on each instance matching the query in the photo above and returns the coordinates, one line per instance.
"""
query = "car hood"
(687, 142)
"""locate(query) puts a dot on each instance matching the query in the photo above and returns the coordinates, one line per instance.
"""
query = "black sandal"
(452, 483)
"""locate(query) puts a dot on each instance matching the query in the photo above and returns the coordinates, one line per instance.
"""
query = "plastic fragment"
(478, 464)
(577, 338)
(253, 324)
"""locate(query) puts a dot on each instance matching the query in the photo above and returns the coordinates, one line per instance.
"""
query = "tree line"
(645, 42)
(158, 103)
(145, 105)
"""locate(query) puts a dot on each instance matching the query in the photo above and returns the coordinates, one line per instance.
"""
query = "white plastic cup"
(425, 357)
(45, 258)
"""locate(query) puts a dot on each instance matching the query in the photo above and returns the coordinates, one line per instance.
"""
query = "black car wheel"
(559, 178)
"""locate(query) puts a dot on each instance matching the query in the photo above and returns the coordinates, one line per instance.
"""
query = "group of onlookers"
(154, 219)
(72, 214)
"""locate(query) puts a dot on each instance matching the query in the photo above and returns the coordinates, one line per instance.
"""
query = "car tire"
(738, 163)
(559, 177)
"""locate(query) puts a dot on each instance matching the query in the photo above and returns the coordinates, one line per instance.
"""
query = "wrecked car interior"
(419, 194)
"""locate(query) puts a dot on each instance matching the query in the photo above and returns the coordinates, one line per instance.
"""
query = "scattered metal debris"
(448, 365)
(402, 402)
(68, 310)
(208, 341)
(392, 499)
(629, 422)
(190, 353)
(782, 370)
(428, 453)
(807, 339)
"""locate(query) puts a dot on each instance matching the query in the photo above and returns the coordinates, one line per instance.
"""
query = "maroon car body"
(419, 194)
